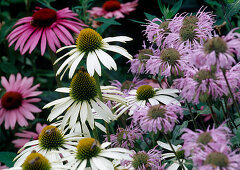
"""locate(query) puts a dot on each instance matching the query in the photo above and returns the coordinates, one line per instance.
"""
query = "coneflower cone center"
(111, 5)
(216, 44)
(127, 84)
(217, 159)
(180, 154)
(87, 148)
(144, 54)
(51, 138)
(203, 75)
(140, 160)
(89, 40)
(36, 161)
(187, 32)
(11, 100)
(145, 92)
(190, 20)
(122, 136)
(204, 138)
(156, 111)
(44, 17)
(170, 56)
(83, 87)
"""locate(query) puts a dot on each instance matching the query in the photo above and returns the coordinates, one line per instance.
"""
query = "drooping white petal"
(102, 163)
(118, 39)
(84, 112)
(118, 49)
(63, 90)
(70, 46)
(167, 100)
(74, 65)
(58, 101)
(167, 146)
(97, 65)
(68, 53)
(106, 59)
(82, 165)
(90, 65)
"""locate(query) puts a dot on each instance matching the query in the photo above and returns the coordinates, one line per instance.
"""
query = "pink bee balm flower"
(171, 61)
(113, 8)
(217, 51)
(46, 26)
(144, 160)
(217, 157)
(157, 117)
(15, 104)
(126, 138)
(194, 141)
(26, 136)
(203, 84)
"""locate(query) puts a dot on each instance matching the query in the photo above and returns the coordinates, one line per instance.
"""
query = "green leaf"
(205, 111)
(149, 16)
(176, 7)
(139, 22)
(7, 158)
(178, 129)
(6, 29)
(232, 9)
(8, 67)
(106, 23)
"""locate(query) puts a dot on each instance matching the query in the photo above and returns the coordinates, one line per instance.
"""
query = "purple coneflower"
(45, 25)
(113, 8)
(15, 104)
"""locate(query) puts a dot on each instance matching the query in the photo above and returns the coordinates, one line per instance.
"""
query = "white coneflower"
(51, 143)
(82, 99)
(39, 162)
(147, 94)
(90, 44)
(89, 153)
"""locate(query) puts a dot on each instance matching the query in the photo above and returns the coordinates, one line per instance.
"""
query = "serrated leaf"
(7, 158)
(232, 9)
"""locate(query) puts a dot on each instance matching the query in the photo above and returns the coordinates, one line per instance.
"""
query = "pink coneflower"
(15, 104)
(202, 85)
(170, 61)
(46, 26)
(113, 8)
(217, 157)
(157, 117)
(190, 30)
(217, 51)
(194, 141)
(26, 136)
(126, 138)
(144, 160)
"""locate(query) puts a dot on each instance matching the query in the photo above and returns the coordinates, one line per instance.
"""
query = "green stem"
(168, 141)
(192, 116)
(101, 98)
(55, 67)
(229, 115)
(95, 133)
(231, 93)
(212, 113)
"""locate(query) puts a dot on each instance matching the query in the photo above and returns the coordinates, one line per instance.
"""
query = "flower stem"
(230, 91)
(95, 133)
(101, 98)
(55, 67)
(212, 113)
(168, 141)
(192, 116)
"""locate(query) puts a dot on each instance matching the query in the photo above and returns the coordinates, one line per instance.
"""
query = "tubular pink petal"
(43, 42)
(61, 36)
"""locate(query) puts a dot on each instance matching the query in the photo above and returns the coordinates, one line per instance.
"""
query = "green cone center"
(87, 148)
(156, 111)
(187, 32)
(140, 159)
(170, 56)
(89, 40)
(204, 138)
(83, 87)
(145, 92)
